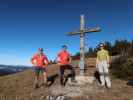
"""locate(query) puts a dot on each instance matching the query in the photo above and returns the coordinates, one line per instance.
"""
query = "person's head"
(40, 51)
(101, 45)
(64, 47)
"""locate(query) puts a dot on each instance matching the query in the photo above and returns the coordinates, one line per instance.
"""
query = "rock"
(85, 79)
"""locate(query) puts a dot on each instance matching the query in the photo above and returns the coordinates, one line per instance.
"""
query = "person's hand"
(44, 66)
(59, 63)
(69, 59)
(108, 65)
(34, 64)
(96, 66)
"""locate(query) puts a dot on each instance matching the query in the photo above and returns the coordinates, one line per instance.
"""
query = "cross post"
(82, 33)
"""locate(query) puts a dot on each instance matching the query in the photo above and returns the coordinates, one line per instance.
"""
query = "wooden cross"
(82, 33)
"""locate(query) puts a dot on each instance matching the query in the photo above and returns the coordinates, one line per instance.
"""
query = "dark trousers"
(62, 70)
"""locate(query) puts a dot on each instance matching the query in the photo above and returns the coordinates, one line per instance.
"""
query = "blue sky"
(26, 25)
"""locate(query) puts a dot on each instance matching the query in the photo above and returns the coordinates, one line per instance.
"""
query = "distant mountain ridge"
(10, 69)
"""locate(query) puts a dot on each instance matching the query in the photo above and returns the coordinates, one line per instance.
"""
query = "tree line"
(120, 47)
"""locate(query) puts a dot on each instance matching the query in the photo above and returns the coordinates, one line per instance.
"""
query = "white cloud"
(13, 60)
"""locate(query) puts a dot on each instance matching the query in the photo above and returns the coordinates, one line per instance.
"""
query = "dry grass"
(20, 87)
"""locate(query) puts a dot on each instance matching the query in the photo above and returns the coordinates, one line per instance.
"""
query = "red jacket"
(64, 57)
(40, 61)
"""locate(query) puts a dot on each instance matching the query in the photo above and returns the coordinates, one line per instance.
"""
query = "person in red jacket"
(64, 61)
(40, 63)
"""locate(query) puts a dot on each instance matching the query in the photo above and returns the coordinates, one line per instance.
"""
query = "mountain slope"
(20, 86)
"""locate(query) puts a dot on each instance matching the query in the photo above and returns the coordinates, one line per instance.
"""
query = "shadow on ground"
(51, 79)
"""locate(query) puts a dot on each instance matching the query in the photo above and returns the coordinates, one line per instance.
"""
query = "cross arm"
(96, 29)
(74, 33)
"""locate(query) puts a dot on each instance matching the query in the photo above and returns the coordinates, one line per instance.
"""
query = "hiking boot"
(36, 86)
(74, 81)
(45, 83)
(108, 87)
(62, 83)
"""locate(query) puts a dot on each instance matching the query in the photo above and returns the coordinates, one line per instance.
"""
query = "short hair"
(40, 49)
(64, 46)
